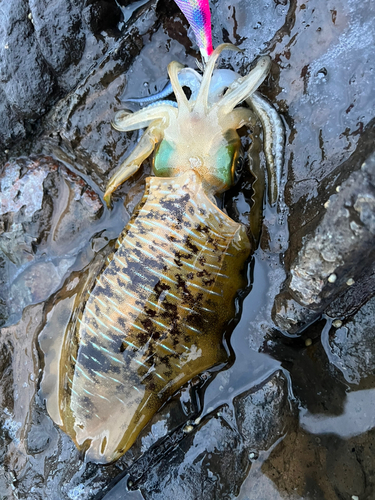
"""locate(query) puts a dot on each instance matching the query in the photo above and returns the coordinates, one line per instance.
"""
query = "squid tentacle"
(273, 141)
(187, 77)
(202, 98)
(173, 70)
(125, 121)
(244, 87)
(129, 167)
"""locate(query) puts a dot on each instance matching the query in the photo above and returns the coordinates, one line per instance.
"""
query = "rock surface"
(46, 48)
(214, 455)
(37, 243)
(338, 254)
(351, 348)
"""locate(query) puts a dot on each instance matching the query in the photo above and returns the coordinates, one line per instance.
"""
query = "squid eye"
(238, 168)
(224, 158)
(226, 162)
(161, 163)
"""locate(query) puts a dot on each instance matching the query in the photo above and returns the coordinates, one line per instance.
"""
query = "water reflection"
(358, 417)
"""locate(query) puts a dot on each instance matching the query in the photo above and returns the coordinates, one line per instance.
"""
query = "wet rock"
(36, 283)
(354, 297)
(351, 347)
(337, 255)
(11, 127)
(37, 244)
(322, 67)
(46, 48)
(318, 466)
(214, 456)
(41, 434)
(58, 31)
(81, 122)
(36, 456)
(19, 379)
(25, 77)
(102, 15)
(333, 447)
(6, 492)
(262, 415)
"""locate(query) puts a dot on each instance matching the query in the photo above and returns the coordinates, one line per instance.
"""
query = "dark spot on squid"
(171, 314)
(179, 256)
(143, 337)
(159, 288)
(156, 335)
(87, 403)
(150, 312)
(151, 386)
(188, 297)
(202, 273)
(148, 324)
(176, 207)
(202, 229)
(191, 245)
(122, 322)
(195, 320)
(187, 340)
(213, 242)
(166, 360)
(102, 362)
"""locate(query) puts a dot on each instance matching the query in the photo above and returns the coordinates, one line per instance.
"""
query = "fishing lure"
(197, 12)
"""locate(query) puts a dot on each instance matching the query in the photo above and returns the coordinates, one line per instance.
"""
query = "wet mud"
(291, 416)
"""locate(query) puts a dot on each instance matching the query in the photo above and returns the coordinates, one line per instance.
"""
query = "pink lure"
(197, 12)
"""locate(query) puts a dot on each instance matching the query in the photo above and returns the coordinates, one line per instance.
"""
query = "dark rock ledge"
(334, 270)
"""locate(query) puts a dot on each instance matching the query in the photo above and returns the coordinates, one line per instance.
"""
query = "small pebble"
(308, 342)
(326, 204)
(350, 282)
(332, 278)
(337, 323)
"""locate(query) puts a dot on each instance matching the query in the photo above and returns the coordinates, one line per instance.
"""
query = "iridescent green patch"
(161, 164)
